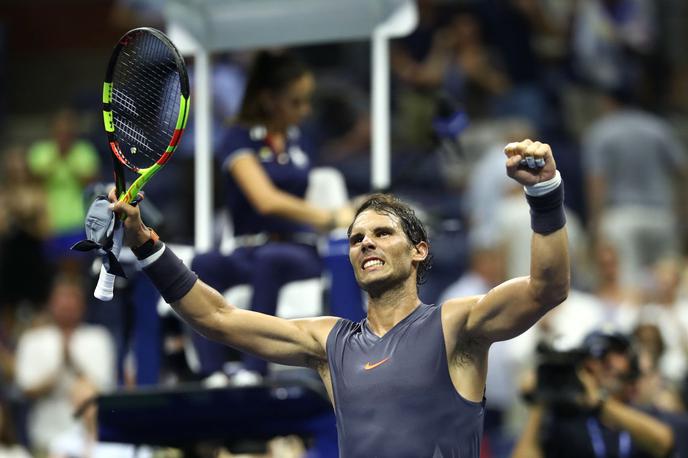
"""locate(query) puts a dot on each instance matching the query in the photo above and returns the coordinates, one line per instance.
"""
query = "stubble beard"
(377, 288)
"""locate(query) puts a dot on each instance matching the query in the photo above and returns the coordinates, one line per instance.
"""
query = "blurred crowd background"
(604, 82)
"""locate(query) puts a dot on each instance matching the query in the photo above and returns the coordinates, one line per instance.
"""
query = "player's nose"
(367, 243)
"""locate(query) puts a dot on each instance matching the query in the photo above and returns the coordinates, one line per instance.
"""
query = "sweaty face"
(292, 105)
(380, 252)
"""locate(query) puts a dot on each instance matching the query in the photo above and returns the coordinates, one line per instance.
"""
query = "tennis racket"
(145, 108)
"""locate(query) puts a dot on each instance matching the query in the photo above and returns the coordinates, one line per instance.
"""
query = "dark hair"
(598, 344)
(388, 204)
(271, 71)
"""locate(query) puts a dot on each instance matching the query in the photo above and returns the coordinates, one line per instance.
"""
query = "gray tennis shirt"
(393, 395)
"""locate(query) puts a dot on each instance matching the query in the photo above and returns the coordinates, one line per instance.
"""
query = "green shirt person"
(64, 165)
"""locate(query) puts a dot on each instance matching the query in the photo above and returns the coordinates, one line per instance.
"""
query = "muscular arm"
(512, 307)
(292, 342)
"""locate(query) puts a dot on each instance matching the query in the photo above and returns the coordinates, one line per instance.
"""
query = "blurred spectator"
(419, 62)
(487, 185)
(265, 170)
(633, 160)
(9, 447)
(487, 264)
(582, 308)
(23, 226)
(587, 409)
(669, 314)
(511, 26)
(654, 389)
(64, 164)
(620, 303)
(444, 54)
(667, 90)
(52, 357)
(609, 37)
(475, 76)
(81, 440)
(341, 123)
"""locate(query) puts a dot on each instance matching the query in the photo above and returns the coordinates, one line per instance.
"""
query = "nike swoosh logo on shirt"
(369, 366)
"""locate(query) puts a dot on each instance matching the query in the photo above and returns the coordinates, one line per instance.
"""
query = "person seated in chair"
(265, 171)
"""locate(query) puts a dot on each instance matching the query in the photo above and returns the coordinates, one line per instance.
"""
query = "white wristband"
(145, 262)
(544, 187)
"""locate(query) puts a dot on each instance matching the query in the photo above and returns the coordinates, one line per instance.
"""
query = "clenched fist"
(530, 162)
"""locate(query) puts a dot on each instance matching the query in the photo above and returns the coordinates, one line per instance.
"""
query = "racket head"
(145, 99)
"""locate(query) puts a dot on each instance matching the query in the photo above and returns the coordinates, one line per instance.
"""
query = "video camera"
(558, 385)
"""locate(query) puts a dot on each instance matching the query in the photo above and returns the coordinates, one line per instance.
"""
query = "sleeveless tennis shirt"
(393, 394)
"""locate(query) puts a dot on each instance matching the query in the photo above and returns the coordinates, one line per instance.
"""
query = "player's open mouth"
(372, 262)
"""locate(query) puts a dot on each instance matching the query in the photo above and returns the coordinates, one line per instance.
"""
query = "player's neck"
(389, 308)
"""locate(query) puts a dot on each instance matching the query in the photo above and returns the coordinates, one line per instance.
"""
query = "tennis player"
(409, 379)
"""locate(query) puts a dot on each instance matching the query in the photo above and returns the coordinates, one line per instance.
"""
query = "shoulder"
(42, 147)
(41, 152)
(40, 334)
(240, 139)
(456, 311)
(317, 331)
(320, 327)
(43, 341)
(241, 136)
(456, 317)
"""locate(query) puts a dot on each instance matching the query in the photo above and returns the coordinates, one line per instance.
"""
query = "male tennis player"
(407, 381)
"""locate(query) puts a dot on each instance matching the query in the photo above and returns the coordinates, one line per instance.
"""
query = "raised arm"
(292, 342)
(514, 306)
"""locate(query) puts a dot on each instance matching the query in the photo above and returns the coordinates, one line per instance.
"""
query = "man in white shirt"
(51, 358)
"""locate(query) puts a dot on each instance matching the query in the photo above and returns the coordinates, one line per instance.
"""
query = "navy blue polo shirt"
(287, 170)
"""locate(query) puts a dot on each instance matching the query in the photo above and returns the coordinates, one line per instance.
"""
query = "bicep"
(292, 342)
(505, 312)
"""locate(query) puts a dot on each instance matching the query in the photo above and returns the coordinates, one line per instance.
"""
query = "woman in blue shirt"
(265, 172)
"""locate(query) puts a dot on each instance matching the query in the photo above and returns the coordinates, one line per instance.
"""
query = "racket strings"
(145, 99)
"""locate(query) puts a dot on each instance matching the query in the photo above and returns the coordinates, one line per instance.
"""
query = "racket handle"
(105, 286)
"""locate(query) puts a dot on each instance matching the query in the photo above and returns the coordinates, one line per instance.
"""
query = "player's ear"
(421, 251)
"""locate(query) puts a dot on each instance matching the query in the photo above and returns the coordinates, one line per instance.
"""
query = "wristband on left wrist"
(149, 247)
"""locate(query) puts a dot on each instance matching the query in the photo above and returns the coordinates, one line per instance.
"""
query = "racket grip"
(105, 286)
